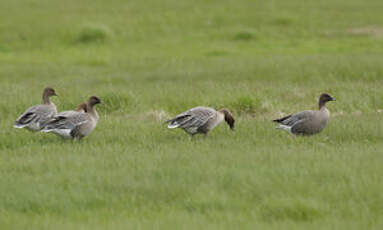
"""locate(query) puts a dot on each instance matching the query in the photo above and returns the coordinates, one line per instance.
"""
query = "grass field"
(150, 60)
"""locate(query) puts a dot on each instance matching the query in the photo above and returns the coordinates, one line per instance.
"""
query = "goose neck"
(46, 99)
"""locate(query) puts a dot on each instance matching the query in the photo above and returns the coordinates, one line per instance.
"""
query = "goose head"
(93, 100)
(49, 92)
(324, 98)
(81, 108)
(228, 118)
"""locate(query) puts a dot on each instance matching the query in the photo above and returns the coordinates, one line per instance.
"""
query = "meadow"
(150, 60)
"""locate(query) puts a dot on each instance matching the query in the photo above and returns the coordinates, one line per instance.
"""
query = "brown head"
(228, 118)
(324, 98)
(93, 100)
(81, 108)
(48, 92)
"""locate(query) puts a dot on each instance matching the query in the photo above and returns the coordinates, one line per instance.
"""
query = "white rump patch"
(172, 126)
(30, 126)
(284, 127)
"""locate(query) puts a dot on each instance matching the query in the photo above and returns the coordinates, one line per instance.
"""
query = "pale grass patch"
(374, 31)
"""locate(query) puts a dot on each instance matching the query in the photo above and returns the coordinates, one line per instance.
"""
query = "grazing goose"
(77, 124)
(308, 122)
(34, 117)
(201, 120)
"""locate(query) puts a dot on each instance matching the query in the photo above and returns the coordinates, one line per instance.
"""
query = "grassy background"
(149, 60)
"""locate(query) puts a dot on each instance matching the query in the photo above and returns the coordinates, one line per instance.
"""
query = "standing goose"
(80, 109)
(201, 120)
(307, 122)
(75, 125)
(34, 117)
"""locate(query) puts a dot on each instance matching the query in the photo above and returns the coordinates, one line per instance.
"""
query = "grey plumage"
(307, 122)
(67, 126)
(36, 116)
(200, 120)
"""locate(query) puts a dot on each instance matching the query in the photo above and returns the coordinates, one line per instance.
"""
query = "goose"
(75, 125)
(81, 108)
(34, 117)
(201, 120)
(307, 122)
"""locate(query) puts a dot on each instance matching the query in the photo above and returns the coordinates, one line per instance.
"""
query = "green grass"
(148, 61)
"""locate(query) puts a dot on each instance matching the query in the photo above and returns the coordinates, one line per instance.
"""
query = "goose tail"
(284, 127)
(173, 125)
(19, 126)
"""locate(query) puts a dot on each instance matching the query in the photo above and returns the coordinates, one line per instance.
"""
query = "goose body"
(307, 122)
(35, 117)
(201, 120)
(75, 124)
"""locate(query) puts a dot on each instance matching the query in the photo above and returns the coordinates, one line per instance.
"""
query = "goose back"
(195, 120)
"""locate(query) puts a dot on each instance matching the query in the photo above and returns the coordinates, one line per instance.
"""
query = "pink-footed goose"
(307, 122)
(201, 120)
(81, 108)
(77, 124)
(34, 117)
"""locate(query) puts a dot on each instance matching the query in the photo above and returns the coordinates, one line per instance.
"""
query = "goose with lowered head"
(201, 120)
